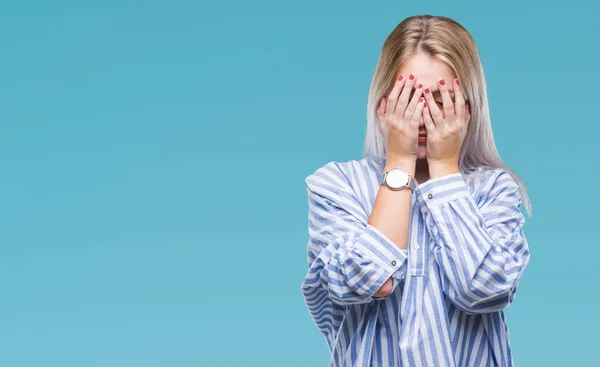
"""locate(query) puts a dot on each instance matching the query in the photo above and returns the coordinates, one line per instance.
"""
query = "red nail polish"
(420, 85)
(400, 78)
(442, 82)
(421, 99)
(427, 90)
(411, 77)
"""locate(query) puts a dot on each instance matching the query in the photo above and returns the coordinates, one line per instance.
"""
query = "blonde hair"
(446, 40)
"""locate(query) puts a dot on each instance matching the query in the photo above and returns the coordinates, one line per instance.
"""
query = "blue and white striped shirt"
(466, 253)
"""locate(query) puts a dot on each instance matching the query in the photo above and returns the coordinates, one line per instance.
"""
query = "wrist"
(406, 163)
(442, 168)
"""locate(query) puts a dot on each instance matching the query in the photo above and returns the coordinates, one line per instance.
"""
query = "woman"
(415, 251)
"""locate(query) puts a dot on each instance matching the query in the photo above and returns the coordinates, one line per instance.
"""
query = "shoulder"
(343, 177)
(491, 176)
(488, 182)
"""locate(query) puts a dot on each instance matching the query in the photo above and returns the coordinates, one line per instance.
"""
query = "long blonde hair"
(446, 40)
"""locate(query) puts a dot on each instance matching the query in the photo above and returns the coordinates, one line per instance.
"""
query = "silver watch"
(398, 179)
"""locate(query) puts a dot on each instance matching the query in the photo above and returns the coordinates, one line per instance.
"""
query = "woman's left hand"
(445, 134)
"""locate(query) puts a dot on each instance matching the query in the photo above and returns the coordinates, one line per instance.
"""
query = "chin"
(422, 153)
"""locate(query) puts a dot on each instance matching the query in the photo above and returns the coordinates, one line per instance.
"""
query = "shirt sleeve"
(479, 246)
(348, 258)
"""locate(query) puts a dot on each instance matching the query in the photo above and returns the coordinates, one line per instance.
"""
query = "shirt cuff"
(396, 279)
(379, 248)
(441, 190)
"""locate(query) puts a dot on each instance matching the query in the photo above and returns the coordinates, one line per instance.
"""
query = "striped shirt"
(465, 255)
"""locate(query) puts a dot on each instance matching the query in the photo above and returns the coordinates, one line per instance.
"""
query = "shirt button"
(394, 262)
(429, 196)
(416, 246)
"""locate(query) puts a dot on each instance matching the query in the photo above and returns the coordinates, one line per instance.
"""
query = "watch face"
(397, 178)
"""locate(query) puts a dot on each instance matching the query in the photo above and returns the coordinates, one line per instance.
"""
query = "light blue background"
(152, 162)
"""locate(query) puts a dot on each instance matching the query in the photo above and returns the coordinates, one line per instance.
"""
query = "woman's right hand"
(399, 119)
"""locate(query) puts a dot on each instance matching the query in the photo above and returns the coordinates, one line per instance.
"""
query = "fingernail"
(424, 103)
(400, 78)
(427, 90)
(421, 99)
(420, 86)
(411, 77)
(442, 82)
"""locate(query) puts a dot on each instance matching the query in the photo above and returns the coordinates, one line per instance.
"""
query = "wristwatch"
(398, 179)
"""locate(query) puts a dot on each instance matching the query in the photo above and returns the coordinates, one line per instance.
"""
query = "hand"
(399, 119)
(445, 134)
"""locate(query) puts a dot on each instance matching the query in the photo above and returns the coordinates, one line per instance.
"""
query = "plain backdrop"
(153, 209)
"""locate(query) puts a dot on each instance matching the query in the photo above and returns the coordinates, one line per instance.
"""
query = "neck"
(422, 170)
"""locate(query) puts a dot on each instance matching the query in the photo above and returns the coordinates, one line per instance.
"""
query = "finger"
(381, 109)
(429, 124)
(459, 99)
(403, 99)
(393, 97)
(448, 104)
(434, 110)
(411, 110)
(381, 113)
(416, 117)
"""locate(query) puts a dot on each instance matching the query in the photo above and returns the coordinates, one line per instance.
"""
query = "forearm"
(479, 245)
(391, 214)
(391, 211)
(349, 259)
